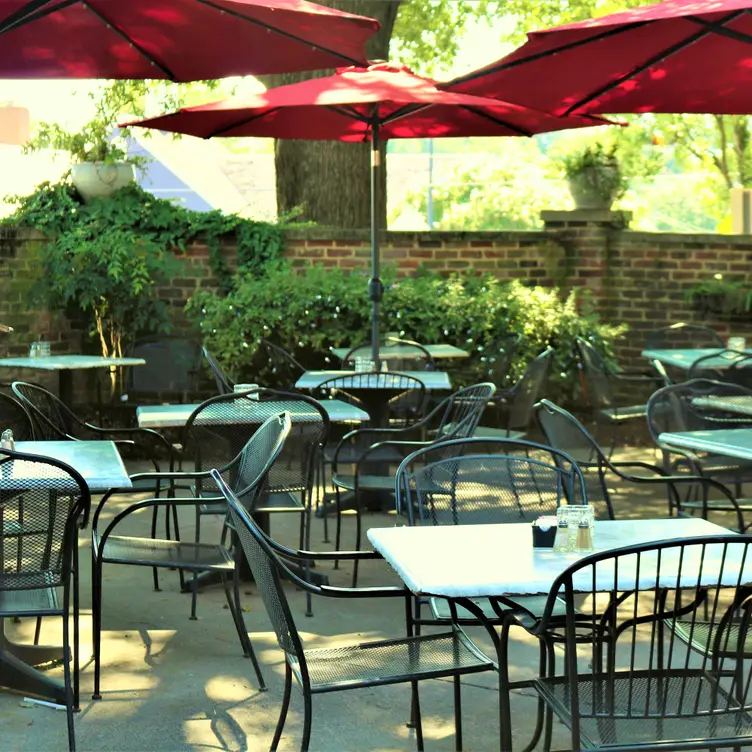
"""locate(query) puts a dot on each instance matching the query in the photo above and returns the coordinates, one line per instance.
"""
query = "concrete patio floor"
(172, 684)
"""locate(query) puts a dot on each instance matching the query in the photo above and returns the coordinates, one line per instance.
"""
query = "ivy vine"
(57, 210)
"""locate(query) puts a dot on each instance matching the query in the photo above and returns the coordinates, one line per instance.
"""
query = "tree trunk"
(328, 182)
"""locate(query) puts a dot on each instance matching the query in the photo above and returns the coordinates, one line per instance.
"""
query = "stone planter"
(98, 180)
(588, 194)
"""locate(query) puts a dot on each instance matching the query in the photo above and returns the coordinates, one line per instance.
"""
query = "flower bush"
(309, 313)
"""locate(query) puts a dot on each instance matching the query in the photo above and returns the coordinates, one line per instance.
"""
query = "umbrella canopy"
(377, 103)
(179, 40)
(676, 56)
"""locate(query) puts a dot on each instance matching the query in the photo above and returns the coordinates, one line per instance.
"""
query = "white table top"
(69, 362)
(487, 560)
(99, 462)
(437, 352)
(730, 442)
(175, 416)
(432, 379)
(684, 358)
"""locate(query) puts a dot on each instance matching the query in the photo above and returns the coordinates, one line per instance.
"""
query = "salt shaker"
(584, 542)
(562, 535)
(6, 440)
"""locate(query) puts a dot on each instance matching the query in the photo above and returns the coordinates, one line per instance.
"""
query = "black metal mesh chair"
(43, 503)
(171, 373)
(513, 408)
(668, 667)
(683, 336)
(224, 383)
(602, 384)
(15, 416)
(740, 372)
(563, 431)
(367, 664)
(707, 367)
(694, 406)
(284, 367)
(403, 355)
(373, 450)
(109, 547)
(52, 420)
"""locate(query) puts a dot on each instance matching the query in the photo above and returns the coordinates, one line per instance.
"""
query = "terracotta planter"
(587, 194)
(98, 180)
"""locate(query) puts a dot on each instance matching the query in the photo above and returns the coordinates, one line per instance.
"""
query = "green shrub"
(322, 308)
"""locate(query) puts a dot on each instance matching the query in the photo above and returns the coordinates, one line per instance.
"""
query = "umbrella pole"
(375, 288)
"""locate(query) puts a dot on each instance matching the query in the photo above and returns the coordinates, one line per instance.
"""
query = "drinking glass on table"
(737, 343)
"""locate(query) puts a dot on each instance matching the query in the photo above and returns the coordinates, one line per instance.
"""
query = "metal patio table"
(175, 416)
(102, 468)
(65, 365)
(437, 352)
(729, 442)
(685, 358)
(463, 562)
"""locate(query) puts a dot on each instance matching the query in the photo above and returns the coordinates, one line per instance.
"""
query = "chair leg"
(233, 602)
(283, 709)
(307, 711)
(96, 612)
(338, 530)
(306, 520)
(505, 720)
(68, 687)
(457, 714)
(76, 634)
(194, 597)
(415, 713)
(37, 630)
(154, 520)
(357, 541)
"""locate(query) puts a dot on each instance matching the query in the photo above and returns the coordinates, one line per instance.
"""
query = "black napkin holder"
(544, 537)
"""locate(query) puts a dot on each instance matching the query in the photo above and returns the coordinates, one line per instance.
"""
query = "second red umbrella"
(373, 104)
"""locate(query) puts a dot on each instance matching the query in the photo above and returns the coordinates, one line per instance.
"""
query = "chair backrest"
(42, 503)
(460, 413)
(283, 365)
(597, 376)
(667, 662)
(498, 357)
(266, 569)
(713, 366)
(406, 355)
(172, 369)
(740, 372)
(224, 383)
(526, 391)
(486, 481)
(693, 406)
(683, 336)
(51, 419)
(564, 432)
(217, 431)
(397, 388)
(15, 415)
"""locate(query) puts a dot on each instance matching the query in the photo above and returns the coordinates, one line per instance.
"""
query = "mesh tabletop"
(487, 560)
(431, 379)
(729, 442)
(175, 416)
(685, 358)
(99, 462)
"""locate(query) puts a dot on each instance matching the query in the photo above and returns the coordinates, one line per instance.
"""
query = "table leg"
(17, 672)
(65, 387)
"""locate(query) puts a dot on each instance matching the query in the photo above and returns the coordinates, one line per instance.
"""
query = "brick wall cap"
(588, 216)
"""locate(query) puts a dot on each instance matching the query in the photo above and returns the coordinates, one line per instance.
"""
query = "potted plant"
(595, 176)
(720, 296)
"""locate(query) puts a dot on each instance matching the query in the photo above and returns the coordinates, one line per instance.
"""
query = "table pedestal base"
(17, 672)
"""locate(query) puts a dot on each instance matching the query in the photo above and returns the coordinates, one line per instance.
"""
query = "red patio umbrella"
(373, 104)
(179, 40)
(676, 56)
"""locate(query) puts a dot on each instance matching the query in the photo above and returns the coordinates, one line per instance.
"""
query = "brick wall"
(637, 278)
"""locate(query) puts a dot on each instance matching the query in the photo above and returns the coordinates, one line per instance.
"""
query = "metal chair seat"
(350, 454)
(282, 501)
(701, 635)
(643, 703)
(38, 597)
(390, 661)
(486, 432)
(365, 482)
(617, 414)
(120, 549)
(533, 604)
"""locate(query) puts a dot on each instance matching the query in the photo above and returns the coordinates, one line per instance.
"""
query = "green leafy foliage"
(322, 308)
(598, 167)
(724, 297)
(109, 257)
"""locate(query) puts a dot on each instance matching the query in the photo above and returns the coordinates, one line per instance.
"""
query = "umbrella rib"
(32, 11)
(499, 121)
(721, 30)
(286, 34)
(241, 123)
(649, 63)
